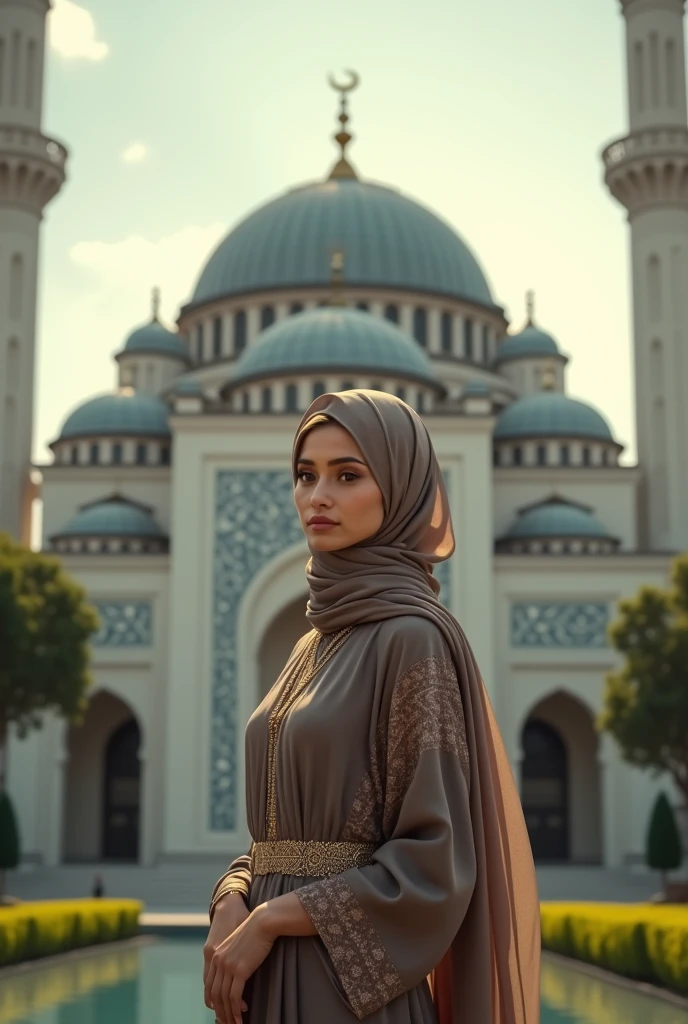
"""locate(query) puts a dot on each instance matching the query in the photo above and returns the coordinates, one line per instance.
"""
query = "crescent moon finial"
(343, 169)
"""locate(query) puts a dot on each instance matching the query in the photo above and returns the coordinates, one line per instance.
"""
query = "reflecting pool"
(159, 982)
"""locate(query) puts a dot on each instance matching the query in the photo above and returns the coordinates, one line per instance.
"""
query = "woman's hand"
(230, 912)
(233, 962)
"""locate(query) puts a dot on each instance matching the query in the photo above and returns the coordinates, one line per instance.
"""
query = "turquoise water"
(160, 982)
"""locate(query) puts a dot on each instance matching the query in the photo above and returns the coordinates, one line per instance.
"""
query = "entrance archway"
(560, 781)
(102, 783)
(278, 642)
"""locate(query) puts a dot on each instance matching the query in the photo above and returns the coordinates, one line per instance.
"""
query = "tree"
(45, 627)
(646, 700)
(663, 847)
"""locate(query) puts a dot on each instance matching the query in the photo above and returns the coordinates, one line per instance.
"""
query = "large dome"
(551, 414)
(388, 240)
(125, 412)
(336, 339)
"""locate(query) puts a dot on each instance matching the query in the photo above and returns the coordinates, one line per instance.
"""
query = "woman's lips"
(321, 523)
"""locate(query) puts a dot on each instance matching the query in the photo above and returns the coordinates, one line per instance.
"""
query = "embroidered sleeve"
(386, 925)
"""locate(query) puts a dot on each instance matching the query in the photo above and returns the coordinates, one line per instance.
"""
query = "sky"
(181, 118)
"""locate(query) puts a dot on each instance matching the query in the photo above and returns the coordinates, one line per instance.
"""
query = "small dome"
(124, 412)
(334, 339)
(155, 339)
(188, 387)
(530, 343)
(556, 517)
(112, 517)
(551, 414)
(390, 241)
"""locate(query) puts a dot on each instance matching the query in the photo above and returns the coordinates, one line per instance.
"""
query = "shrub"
(31, 930)
(642, 941)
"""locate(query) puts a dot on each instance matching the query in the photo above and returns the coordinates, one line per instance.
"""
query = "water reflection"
(160, 983)
(569, 995)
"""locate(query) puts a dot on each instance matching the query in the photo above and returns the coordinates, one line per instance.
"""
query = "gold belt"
(312, 859)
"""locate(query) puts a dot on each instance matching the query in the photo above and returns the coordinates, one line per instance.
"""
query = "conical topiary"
(664, 852)
(9, 840)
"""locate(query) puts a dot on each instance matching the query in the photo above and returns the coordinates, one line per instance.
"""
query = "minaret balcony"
(32, 167)
(648, 169)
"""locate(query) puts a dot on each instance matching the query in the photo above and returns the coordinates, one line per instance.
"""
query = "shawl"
(390, 575)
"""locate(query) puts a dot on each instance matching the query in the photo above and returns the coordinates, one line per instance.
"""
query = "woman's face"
(337, 498)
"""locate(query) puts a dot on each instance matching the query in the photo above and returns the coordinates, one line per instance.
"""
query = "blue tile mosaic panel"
(255, 520)
(559, 624)
(124, 623)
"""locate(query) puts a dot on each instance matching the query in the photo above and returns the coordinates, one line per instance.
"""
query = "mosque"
(170, 498)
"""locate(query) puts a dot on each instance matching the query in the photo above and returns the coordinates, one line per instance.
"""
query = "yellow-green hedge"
(639, 940)
(31, 930)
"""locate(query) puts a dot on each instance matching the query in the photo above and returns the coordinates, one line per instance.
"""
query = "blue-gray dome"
(156, 339)
(124, 412)
(551, 414)
(556, 518)
(112, 517)
(531, 342)
(337, 339)
(389, 240)
(188, 387)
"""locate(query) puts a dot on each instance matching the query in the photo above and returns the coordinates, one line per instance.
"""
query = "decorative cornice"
(32, 168)
(649, 169)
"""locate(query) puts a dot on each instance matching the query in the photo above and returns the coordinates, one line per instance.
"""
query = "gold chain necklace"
(308, 665)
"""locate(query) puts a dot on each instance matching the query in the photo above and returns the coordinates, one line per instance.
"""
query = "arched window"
(401, 392)
(348, 385)
(16, 286)
(165, 455)
(75, 455)
(486, 343)
(517, 455)
(296, 307)
(217, 337)
(267, 317)
(564, 454)
(541, 455)
(447, 332)
(246, 402)
(318, 388)
(117, 453)
(420, 326)
(94, 454)
(468, 338)
(199, 343)
(141, 454)
(586, 456)
(239, 331)
(30, 72)
(291, 398)
(266, 400)
(392, 313)
(605, 457)
(421, 402)
(376, 386)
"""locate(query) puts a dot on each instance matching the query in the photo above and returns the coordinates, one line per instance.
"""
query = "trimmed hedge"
(32, 930)
(639, 940)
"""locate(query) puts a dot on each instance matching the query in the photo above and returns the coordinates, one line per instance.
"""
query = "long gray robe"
(374, 750)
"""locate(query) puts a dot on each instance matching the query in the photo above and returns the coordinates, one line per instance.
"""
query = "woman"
(390, 877)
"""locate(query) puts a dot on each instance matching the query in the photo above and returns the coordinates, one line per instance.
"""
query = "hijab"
(390, 575)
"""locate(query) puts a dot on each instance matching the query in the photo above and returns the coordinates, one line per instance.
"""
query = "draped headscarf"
(390, 575)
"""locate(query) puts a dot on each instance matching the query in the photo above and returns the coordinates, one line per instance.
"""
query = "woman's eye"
(304, 475)
(348, 476)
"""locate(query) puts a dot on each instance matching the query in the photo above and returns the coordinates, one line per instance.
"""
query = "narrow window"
(348, 385)
(217, 337)
(239, 331)
(267, 317)
(266, 400)
(318, 388)
(586, 456)
(199, 342)
(363, 306)
(245, 402)
(30, 72)
(392, 313)
(75, 455)
(605, 457)
(292, 400)
(14, 69)
(117, 453)
(141, 454)
(486, 343)
(16, 286)
(541, 455)
(94, 454)
(296, 307)
(468, 338)
(517, 455)
(421, 402)
(420, 327)
(447, 332)
(564, 454)
(165, 455)
(401, 392)
(670, 73)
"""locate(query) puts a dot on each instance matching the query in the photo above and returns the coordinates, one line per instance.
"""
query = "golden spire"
(342, 168)
(155, 304)
(530, 308)
(337, 278)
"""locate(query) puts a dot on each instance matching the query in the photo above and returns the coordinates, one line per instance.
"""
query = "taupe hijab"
(389, 575)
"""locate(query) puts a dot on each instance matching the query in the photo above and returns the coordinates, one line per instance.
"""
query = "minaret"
(647, 171)
(32, 170)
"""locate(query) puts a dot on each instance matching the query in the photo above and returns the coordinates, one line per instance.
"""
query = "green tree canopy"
(45, 626)
(646, 700)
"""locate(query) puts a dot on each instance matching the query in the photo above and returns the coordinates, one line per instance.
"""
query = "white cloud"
(136, 153)
(72, 32)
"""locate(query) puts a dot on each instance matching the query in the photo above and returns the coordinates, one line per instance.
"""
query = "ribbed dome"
(556, 518)
(531, 342)
(389, 241)
(112, 517)
(334, 339)
(155, 338)
(125, 412)
(551, 414)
